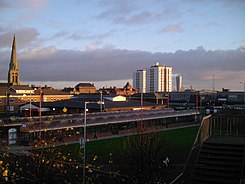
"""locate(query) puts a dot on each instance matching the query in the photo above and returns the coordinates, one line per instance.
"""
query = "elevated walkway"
(218, 154)
(220, 160)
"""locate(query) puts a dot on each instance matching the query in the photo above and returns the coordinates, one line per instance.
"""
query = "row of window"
(32, 100)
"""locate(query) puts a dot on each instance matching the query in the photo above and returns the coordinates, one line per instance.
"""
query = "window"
(1, 133)
(11, 108)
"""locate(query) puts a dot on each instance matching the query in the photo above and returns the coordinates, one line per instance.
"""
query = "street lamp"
(84, 135)
(101, 100)
(244, 92)
(30, 105)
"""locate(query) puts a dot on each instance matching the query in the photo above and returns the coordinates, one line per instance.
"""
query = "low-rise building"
(11, 97)
(81, 88)
(127, 90)
(76, 105)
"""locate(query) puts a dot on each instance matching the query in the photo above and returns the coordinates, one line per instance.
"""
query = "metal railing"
(204, 131)
(228, 125)
(243, 168)
(215, 125)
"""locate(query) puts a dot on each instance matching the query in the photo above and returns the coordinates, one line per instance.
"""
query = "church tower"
(13, 75)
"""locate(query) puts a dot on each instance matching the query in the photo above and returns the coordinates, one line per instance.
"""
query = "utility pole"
(197, 102)
(213, 86)
(40, 110)
(244, 92)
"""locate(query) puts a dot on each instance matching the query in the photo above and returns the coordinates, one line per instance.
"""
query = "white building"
(139, 80)
(157, 78)
(179, 81)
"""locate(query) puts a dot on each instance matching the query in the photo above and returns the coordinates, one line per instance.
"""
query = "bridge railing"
(204, 131)
(214, 125)
(228, 125)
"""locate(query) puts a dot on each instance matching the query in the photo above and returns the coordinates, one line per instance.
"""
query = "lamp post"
(30, 105)
(244, 92)
(101, 100)
(84, 135)
(40, 111)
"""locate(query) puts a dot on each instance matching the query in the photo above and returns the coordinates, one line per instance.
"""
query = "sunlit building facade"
(179, 83)
(139, 80)
(157, 78)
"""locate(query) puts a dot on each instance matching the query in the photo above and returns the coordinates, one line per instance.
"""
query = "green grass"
(179, 138)
(110, 153)
(178, 141)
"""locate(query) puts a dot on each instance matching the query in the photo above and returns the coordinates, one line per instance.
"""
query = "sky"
(61, 43)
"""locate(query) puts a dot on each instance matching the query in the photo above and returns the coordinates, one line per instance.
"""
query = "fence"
(214, 125)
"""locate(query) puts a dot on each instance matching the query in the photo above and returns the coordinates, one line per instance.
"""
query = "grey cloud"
(60, 34)
(4, 5)
(4, 64)
(105, 64)
(230, 4)
(115, 9)
(25, 37)
(171, 28)
(131, 14)
(134, 19)
(85, 36)
(242, 48)
(76, 36)
(196, 65)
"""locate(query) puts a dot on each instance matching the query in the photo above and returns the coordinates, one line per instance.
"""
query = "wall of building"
(139, 80)
(11, 103)
(159, 79)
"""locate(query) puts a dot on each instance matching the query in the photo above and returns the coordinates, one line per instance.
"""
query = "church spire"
(13, 74)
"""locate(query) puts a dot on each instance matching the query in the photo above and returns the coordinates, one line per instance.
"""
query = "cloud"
(103, 64)
(131, 13)
(242, 48)
(35, 4)
(76, 36)
(29, 4)
(4, 5)
(172, 28)
(225, 2)
(25, 37)
(60, 34)
(139, 18)
(91, 47)
(85, 36)
(115, 9)
(232, 3)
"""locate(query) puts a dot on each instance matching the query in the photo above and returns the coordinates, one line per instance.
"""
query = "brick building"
(81, 88)
(127, 90)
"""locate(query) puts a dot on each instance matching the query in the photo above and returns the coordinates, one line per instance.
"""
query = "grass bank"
(176, 145)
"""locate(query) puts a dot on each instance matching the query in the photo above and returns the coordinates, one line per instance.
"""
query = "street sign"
(82, 143)
(64, 109)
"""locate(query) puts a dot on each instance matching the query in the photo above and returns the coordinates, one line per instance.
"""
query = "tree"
(142, 159)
